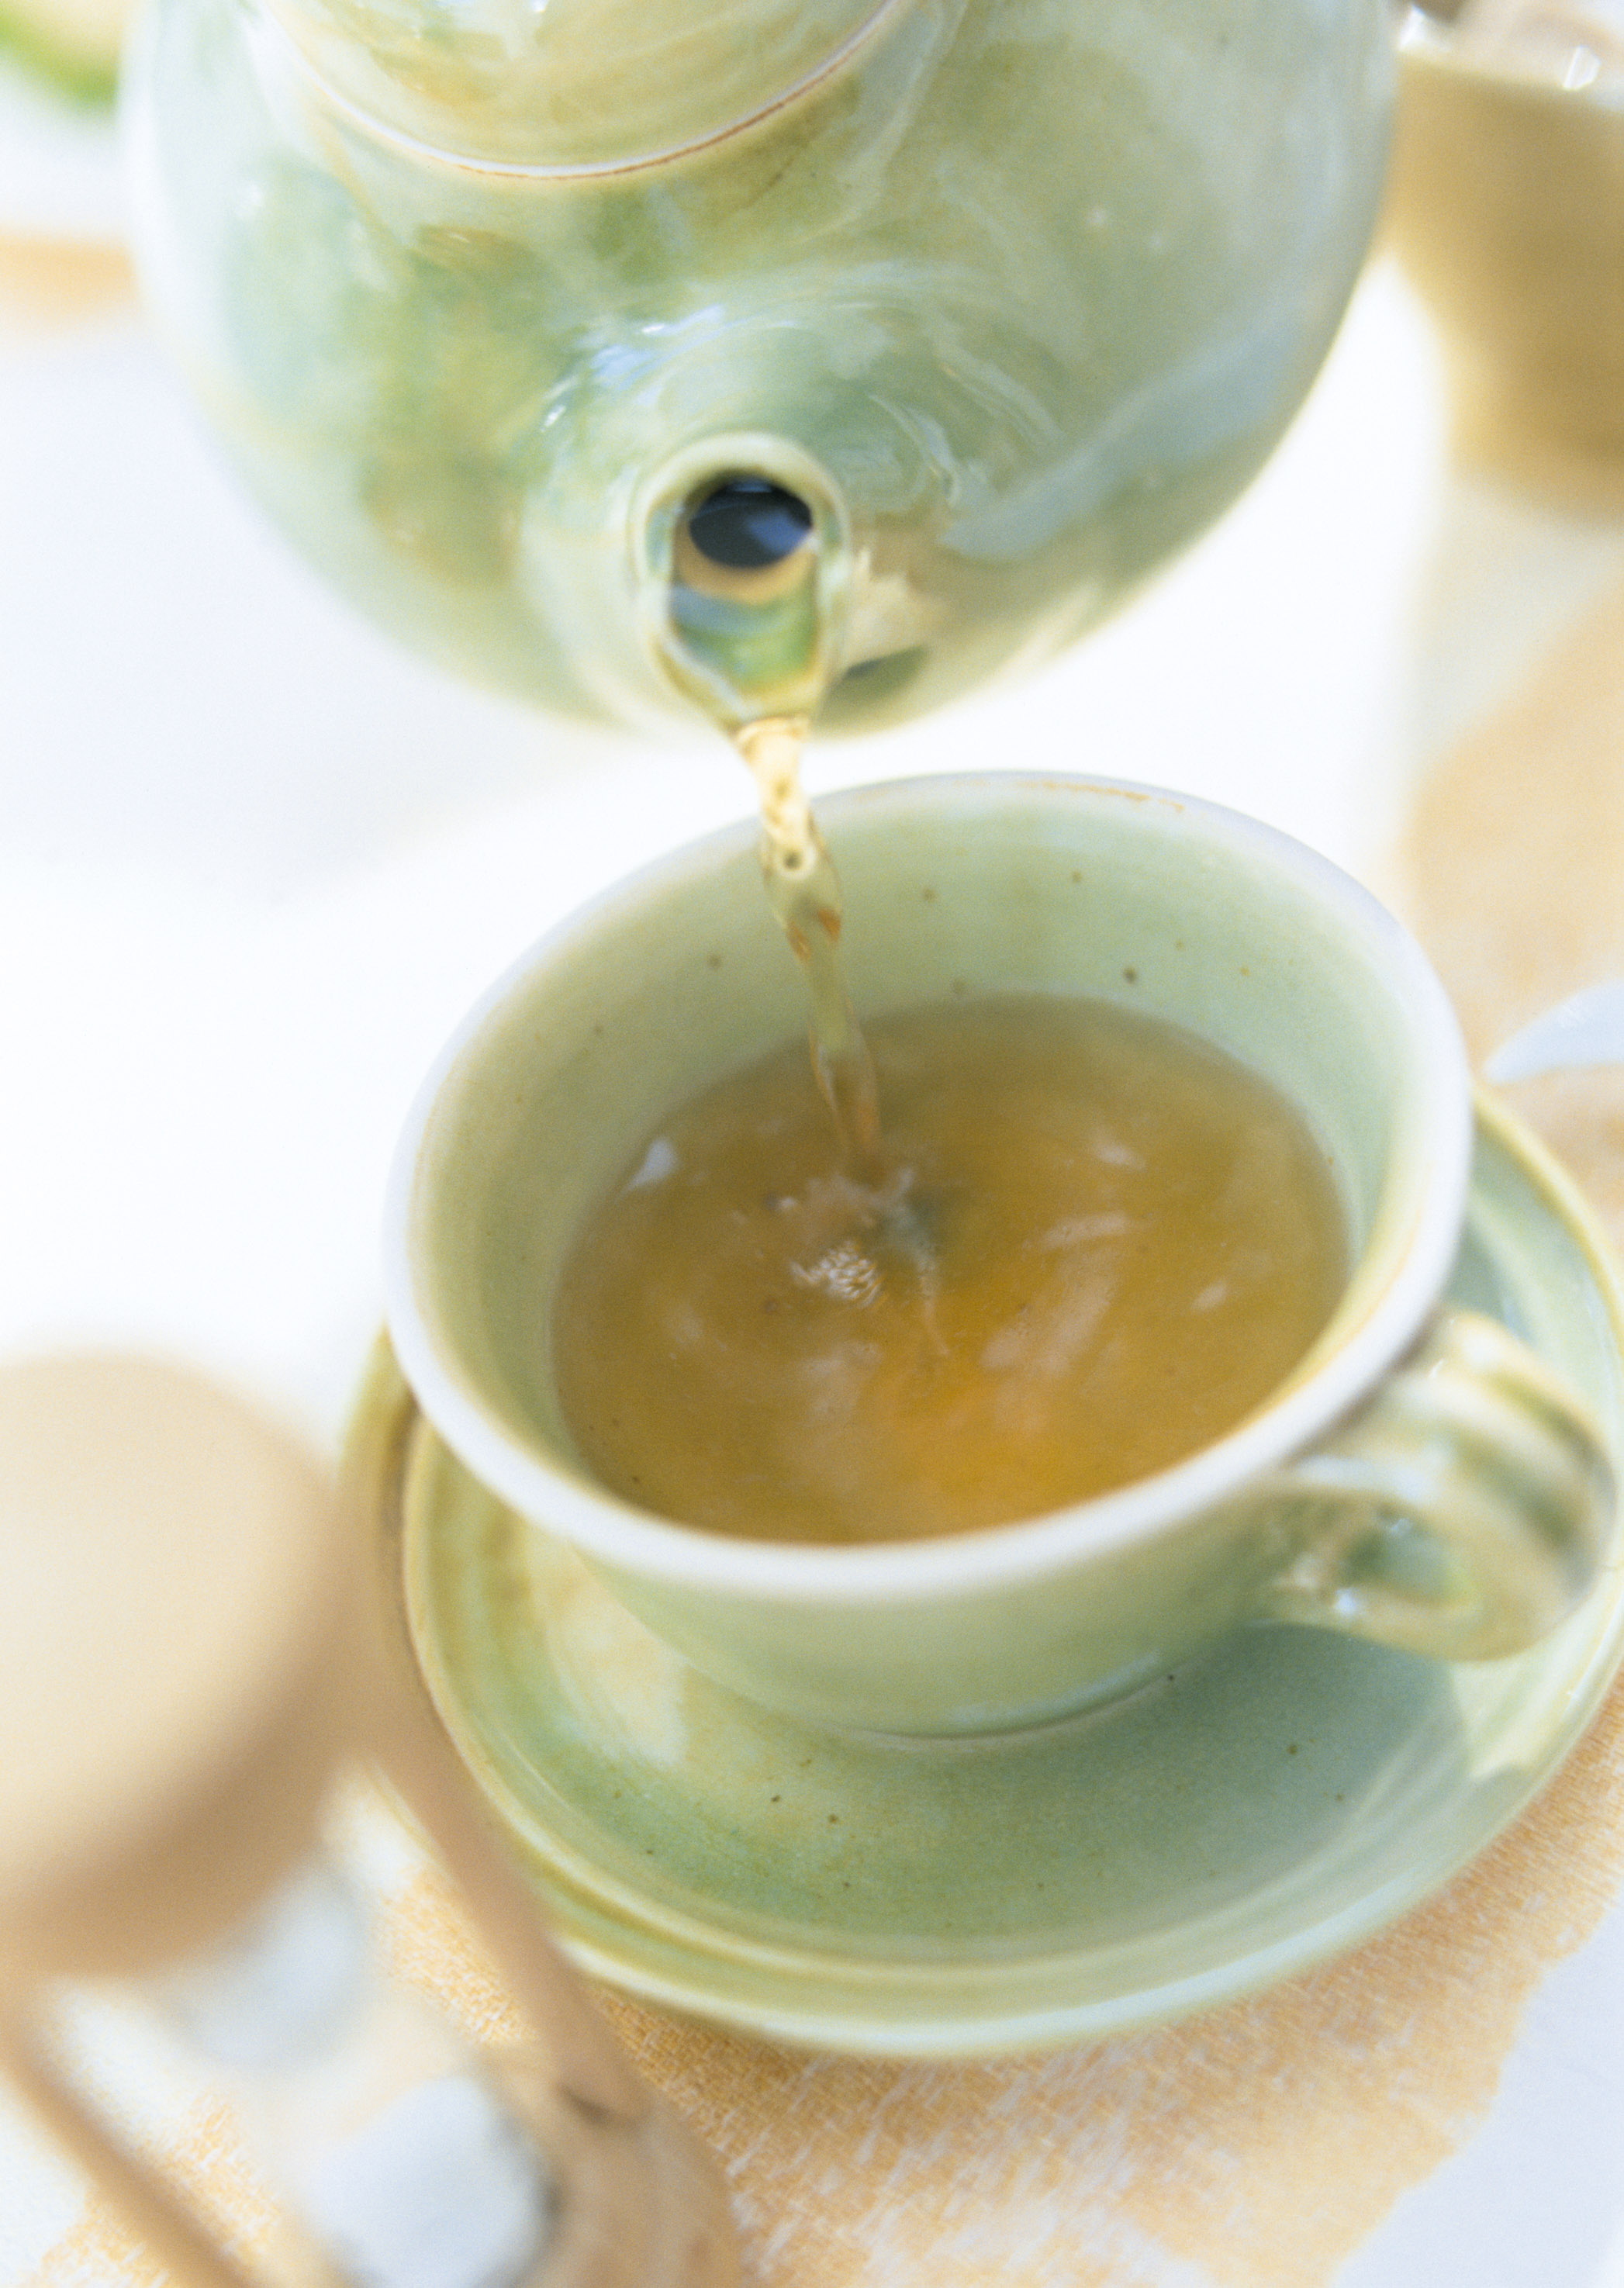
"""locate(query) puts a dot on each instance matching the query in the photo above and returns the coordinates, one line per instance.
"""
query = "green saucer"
(1262, 1807)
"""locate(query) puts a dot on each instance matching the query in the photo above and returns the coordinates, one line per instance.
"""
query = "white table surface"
(254, 862)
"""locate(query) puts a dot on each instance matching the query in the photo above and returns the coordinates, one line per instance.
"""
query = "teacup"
(1503, 207)
(1419, 1479)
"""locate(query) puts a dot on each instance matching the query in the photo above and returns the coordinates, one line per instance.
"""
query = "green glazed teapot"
(550, 330)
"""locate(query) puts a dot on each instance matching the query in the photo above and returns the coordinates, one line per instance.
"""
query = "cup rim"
(1426, 42)
(558, 1496)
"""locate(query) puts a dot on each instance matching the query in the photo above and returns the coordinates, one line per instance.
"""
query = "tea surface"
(1098, 1245)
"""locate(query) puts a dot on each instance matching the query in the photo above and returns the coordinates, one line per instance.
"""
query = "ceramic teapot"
(550, 329)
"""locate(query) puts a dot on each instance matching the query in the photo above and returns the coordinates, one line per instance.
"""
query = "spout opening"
(743, 525)
(743, 570)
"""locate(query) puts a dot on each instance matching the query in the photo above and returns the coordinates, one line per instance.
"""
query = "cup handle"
(1585, 1030)
(1462, 1512)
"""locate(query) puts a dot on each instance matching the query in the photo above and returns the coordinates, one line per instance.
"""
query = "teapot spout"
(743, 573)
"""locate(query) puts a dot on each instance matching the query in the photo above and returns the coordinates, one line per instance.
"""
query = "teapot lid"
(572, 87)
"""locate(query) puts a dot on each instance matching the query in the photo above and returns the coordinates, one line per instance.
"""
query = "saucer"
(1265, 1806)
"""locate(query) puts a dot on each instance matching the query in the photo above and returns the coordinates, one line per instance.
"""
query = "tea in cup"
(1090, 1245)
(1130, 1341)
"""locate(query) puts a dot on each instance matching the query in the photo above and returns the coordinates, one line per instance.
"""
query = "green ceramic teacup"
(1420, 1480)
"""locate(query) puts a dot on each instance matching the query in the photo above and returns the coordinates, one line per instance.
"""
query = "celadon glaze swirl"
(1036, 283)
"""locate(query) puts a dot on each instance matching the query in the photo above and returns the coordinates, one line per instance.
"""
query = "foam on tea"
(1096, 1245)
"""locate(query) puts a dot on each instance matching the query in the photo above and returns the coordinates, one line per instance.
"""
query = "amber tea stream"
(803, 891)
